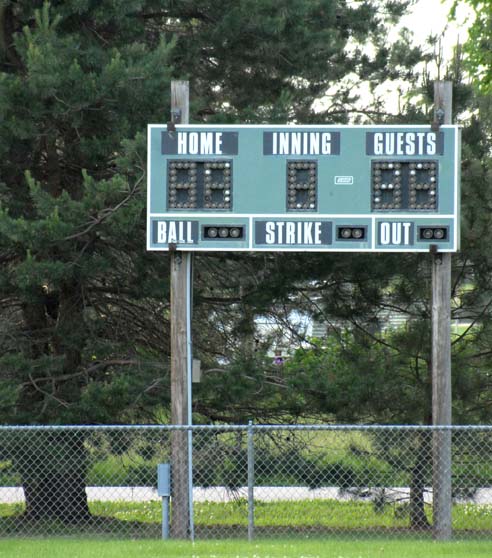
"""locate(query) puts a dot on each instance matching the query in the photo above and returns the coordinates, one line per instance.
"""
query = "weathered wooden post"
(180, 268)
(441, 357)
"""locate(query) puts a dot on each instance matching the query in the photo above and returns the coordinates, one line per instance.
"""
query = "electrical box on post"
(164, 480)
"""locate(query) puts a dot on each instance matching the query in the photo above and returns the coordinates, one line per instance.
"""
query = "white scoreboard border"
(288, 216)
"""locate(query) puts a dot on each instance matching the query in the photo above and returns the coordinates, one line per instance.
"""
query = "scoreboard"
(303, 188)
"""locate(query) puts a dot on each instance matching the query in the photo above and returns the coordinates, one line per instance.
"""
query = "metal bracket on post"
(176, 116)
(438, 120)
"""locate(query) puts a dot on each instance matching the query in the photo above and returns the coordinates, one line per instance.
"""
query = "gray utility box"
(164, 480)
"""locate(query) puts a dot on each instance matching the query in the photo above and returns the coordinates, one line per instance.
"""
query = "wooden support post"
(180, 262)
(441, 358)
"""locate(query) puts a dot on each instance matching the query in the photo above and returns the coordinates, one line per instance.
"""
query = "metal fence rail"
(248, 481)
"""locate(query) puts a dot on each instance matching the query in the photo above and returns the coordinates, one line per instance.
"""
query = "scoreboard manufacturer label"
(303, 188)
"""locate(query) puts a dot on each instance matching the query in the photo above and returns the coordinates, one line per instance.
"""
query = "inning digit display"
(302, 185)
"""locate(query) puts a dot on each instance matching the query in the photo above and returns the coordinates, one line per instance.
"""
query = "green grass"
(297, 515)
(380, 548)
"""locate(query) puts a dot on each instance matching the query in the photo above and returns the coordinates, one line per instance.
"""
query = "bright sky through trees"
(430, 17)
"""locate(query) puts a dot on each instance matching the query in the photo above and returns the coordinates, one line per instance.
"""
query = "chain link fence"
(246, 481)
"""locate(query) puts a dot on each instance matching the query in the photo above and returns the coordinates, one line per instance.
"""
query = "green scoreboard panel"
(297, 188)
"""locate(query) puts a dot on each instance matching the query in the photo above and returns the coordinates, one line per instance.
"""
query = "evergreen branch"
(221, 300)
(484, 406)
(169, 14)
(480, 355)
(33, 382)
(376, 339)
(107, 212)
(97, 366)
(473, 323)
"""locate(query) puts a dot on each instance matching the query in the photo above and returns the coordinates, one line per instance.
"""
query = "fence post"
(164, 491)
(251, 482)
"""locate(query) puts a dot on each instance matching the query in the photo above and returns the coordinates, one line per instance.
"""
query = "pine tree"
(77, 86)
(273, 60)
(477, 47)
(82, 306)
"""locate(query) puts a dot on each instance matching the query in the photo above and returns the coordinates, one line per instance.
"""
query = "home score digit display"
(303, 188)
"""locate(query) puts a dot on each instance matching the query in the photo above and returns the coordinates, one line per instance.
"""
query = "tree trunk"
(53, 467)
(419, 473)
(60, 496)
